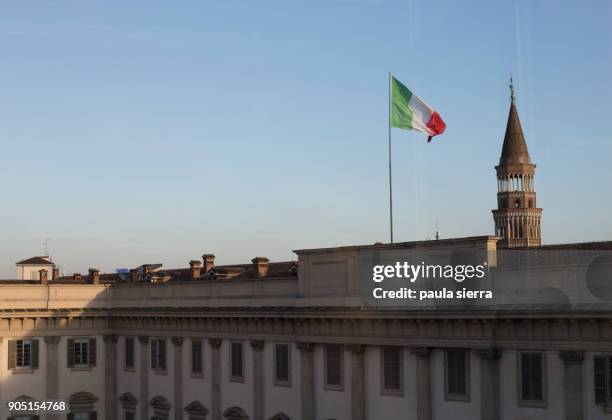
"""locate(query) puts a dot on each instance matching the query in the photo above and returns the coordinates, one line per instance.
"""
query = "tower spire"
(517, 218)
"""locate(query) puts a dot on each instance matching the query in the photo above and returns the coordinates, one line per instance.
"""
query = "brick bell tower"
(517, 219)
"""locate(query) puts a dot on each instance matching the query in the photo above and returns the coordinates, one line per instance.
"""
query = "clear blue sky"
(155, 131)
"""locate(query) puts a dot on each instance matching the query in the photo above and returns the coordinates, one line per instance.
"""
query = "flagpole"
(390, 178)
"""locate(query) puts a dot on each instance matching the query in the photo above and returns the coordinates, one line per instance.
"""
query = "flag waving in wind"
(409, 112)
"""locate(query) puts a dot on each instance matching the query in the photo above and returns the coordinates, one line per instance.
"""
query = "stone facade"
(257, 314)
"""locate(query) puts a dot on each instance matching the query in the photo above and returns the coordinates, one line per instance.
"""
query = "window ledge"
(286, 384)
(160, 371)
(457, 398)
(81, 368)
(19, 370)
(197, 375)
(236, 379)
(129, 369)
(339, 388)
(392, 392)
(534, 404)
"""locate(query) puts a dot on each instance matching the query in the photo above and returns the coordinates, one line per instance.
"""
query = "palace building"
(302, 340)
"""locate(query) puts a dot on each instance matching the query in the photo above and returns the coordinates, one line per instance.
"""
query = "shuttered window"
(391, 369)
(129, 352)
(281, 364)
(196, 357)
(333, 366)
(531, 371)
(81, 352)
(23, 354)
(602, 366)
(236, 361)
(158, 354)
(457, 374)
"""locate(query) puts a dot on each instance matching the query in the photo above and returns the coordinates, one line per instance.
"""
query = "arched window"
(129, 403)
(235, 413)
(196, 411)
(161, 408)
(82, 406)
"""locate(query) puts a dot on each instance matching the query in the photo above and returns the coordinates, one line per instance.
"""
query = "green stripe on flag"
(401, 114)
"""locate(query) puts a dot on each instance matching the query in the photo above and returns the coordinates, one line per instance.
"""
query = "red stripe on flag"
(436, 125)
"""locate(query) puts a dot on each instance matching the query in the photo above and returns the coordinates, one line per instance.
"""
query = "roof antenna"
(437, 230)
(511, 85)
(46, 247)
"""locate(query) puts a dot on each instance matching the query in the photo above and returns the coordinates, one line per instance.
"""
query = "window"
(196, 357)
(158, 354)
(603, 379)
(457, 374)
(391, 361)
(531, 378)
(129, 352)
(333, 366)
(81, 352)
(236, 357)
(196, 411)
(282, 364)
(129, 402)
(24, 353)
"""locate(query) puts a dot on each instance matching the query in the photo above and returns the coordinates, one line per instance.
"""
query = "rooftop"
(42, 260)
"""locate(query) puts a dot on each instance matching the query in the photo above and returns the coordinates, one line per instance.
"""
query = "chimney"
(42, 275)
(94, 276)
(209, 262)
(261, 264)
(195, 269)
(77, 277)
(55, 274)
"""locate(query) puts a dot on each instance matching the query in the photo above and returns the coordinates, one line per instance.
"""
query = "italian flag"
(409, 112)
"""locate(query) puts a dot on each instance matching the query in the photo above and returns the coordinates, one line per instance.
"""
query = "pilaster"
(144, 376)
(110, 375)
(489, 383)
(178, 377)
(307, 380)
(572, 361)
(423, 372)
(258, 379)
(358, 390)
(215, 356)
(52, 377)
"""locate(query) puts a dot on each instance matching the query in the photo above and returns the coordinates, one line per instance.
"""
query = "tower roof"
(514, 150)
